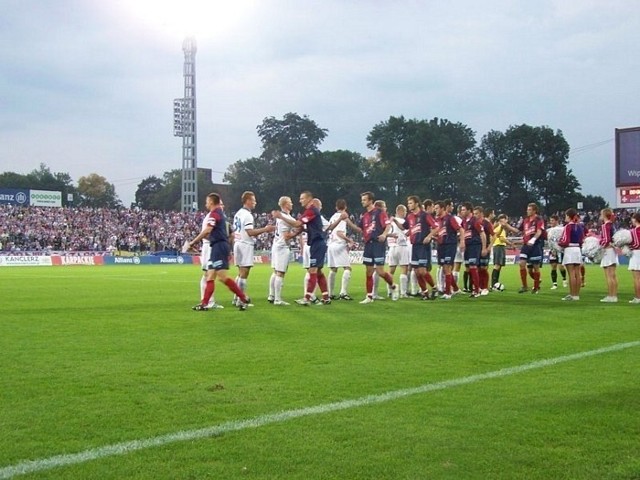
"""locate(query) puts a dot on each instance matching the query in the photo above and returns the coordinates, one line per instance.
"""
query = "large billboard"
(627, 157)
(45, 198)
(14, 196)
(24, 197)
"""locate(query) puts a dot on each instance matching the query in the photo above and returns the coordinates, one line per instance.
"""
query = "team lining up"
(468, 238)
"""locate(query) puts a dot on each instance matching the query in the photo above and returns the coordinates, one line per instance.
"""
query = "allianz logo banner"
(151, 260)
(14, 196)
(26, 197)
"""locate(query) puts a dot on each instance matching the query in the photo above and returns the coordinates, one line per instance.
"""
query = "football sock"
(448, 283)
(369, 285)
(233, 286)
(475, 279)
(523, 277)
(208, 291)
(404, 283)
(311, 285)
(332, 282)
(306, 282)
(536, 280)
(272, 285)
(429, 280)
(414, 281)
(346, 278)
(322, 283)
(375, 277)
(277, 287)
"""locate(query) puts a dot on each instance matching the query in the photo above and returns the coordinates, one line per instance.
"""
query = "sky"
(87, 86)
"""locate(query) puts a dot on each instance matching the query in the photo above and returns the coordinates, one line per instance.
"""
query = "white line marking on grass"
(123, 448)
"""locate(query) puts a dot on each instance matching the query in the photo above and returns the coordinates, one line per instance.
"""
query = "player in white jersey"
(280, 252)
(243, 238)
(338, 253)
(399, 252)
(459, 258)
(205, 253)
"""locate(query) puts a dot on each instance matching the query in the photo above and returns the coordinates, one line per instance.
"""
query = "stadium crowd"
(36, 229)
(93, 229)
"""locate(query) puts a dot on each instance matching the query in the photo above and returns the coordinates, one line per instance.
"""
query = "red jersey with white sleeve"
(448, 227)
(530, 226)
(419, 226)
(373, 223)
(488, 229)
(218, 223)
(472, 230)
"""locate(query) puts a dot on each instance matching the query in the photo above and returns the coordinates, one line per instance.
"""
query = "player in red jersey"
(531, 252)
(571, 241)
(218, 264)
(374, 226)
(475, 241)
(448, 238)
(420, 223)
(485, 255)
(316, 238)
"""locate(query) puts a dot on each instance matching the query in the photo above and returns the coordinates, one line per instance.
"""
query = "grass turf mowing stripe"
(31, 466)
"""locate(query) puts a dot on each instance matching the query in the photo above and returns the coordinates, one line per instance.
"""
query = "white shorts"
(459, 258)
(280, 259)
(609, 258)
(338, 255)
(243, 254)
(572, 256)
(306, 256)
(634, 261)
(399, 255)
(204, 255)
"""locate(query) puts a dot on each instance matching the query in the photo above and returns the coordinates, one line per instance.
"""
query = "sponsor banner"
(14, 196)
(173, 260)
(151, 260)
(63, 260)
(45, 198)
(118, 260)
(25, 261)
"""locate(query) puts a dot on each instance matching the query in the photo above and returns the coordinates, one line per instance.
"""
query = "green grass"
(93, 356)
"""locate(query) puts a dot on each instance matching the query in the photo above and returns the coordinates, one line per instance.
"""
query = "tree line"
(434, 158)
(92, 190)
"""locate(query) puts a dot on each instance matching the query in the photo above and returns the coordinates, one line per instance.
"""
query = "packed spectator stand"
(42, 229)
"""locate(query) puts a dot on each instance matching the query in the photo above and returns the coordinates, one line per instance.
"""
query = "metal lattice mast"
(184, 125)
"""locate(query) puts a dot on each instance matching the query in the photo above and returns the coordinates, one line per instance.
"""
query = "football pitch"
(108, 373)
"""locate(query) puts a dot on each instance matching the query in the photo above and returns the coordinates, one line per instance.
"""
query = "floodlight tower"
(184, 125)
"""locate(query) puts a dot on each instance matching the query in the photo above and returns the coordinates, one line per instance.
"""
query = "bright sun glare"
(179, 18)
